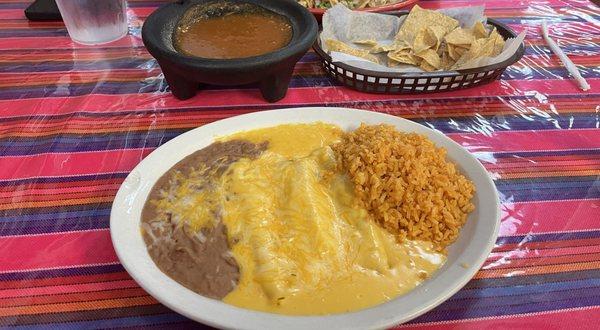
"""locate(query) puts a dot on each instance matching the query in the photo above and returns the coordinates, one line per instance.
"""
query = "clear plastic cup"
(93, 22)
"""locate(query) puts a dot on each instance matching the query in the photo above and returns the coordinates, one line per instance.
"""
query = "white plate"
(465, 256)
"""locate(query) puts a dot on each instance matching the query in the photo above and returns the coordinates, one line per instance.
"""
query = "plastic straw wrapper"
(573, 70)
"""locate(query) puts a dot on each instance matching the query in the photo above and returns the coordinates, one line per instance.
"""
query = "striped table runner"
(74, 120)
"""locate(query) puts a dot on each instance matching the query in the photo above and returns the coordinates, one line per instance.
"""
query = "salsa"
(234, 35)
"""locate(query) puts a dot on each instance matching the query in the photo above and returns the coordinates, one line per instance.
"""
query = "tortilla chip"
(424, 40)
(483, 47)
(431, 57)
(393, 63)
(366, 42)
(460, 36)
(479, 48)
(339, 46)
(490, 46)
(403, 56)
(498, 43)
(401, 45)
(446, 61)
(429, 40)
(443, 48)
(479, 30)
(363, 3)
(426, 67)
(438, 32)
(456, 51)
(430, 37)
(419, 19)
(379, 48)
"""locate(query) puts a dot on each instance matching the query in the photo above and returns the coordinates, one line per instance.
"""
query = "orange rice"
(405, 182)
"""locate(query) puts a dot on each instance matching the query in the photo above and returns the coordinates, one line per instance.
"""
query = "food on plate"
(183, 230)
(405, 182)
(250, 32)
(306, 219)
(352, 4)
(429, 40)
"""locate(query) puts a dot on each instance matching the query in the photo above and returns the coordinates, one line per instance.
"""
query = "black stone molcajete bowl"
(185, 74)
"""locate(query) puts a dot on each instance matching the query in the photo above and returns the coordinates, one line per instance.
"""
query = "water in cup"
(94, 21)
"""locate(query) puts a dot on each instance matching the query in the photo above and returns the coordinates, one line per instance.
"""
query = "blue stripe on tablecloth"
(146, 63)
(72, 271)
(146, 320)
(500, 306)
(522, 239)
(558, 189)
(60, 223)
(153, 85)
(44, 215)
(528, 289)
(15, 146)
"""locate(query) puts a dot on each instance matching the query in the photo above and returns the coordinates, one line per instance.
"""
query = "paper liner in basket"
(361, 29)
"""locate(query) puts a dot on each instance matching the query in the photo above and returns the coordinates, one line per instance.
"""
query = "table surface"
(74, 120)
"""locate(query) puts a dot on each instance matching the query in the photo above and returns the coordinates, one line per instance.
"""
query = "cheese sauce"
(303, 244)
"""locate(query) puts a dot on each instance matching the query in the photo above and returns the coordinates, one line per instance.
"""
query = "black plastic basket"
(417, 82)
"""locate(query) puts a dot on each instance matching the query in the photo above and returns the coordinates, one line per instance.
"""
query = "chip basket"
(417, 82)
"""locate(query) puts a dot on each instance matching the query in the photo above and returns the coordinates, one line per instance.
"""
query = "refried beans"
(199, 259)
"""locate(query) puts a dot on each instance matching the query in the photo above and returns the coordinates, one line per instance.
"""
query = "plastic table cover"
(75, 119)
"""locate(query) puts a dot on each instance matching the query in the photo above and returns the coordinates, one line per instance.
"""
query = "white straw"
(563, 58)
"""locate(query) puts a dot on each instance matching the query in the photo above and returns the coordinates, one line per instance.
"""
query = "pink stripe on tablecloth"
(512, 4)
(528, 140)
(12, 14)
(585, 318)
(548, 216)
(62, 42)
(71, 163)
(62, 289)
(145, 11)
(56, 250)
(565, 29)
(251, 97)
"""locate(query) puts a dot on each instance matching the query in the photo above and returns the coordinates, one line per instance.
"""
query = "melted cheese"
(189, 204)
(303, 244)
(293, 141)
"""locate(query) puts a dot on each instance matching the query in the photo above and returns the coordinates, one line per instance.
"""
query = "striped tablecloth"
(75, 120)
